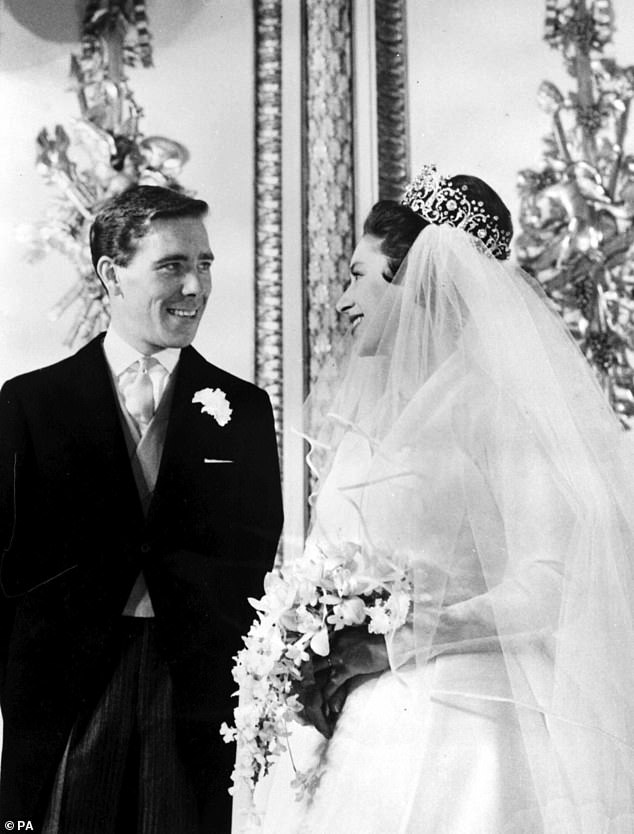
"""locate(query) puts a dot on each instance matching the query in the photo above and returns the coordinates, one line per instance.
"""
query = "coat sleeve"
(13, 449)
(262, 520)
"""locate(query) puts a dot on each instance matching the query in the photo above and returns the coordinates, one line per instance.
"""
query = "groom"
(139, 508)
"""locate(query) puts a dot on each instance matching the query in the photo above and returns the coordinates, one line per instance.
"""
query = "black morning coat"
(74, 538)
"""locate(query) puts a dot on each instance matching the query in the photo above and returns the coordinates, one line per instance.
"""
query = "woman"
(468, 439)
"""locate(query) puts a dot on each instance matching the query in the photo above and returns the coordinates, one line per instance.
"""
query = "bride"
(468, 438)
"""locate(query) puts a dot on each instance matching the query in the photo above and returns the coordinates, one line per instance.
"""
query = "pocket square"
(218, 460)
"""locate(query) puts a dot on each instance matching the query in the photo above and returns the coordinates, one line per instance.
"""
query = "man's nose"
(192, 283)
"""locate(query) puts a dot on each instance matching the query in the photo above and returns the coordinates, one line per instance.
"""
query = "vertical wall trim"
(329, 158)
(268, 205)
(292, 220)
(365, 111)
(392, 100)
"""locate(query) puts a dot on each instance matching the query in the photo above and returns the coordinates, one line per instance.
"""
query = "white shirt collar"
(120, 355)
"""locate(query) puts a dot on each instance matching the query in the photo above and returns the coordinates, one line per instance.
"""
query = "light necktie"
(138, 394)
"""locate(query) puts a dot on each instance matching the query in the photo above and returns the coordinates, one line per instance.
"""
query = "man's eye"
(204, 266)
(170, 268)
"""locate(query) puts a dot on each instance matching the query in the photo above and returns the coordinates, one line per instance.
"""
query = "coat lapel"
(190, 435)
(97, 424)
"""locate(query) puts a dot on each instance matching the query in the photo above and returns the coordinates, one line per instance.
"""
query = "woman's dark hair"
(476, 190)
(397, 226)
(125, 219)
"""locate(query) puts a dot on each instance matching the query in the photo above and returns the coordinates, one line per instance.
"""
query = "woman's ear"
(107, 272)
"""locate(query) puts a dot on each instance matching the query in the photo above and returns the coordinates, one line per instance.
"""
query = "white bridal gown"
(412, 750)
(468, 439)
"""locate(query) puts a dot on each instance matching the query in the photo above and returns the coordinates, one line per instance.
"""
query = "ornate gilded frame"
(328, 174)
(269, 339)
(330, 102)
(392, 100)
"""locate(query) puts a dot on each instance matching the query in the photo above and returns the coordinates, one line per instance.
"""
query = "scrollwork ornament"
(569, 26)
(577, 207)
(100, 155)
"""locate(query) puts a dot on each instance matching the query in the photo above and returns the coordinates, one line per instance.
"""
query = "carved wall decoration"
(268, 205)
(392, 107)
(328, 185)
(329, 173)
(102, 154)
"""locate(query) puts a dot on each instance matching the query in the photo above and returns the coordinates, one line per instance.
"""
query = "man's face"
(158, 299)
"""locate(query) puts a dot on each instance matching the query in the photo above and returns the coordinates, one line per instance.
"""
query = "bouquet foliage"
(303, 604)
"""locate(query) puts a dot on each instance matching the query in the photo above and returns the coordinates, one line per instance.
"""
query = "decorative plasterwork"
(391, 88)
(268, 204)
(329, 173)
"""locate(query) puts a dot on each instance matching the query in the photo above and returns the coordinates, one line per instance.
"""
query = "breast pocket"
(220, 485)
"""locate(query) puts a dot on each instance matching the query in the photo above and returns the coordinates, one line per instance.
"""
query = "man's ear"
(107, 272)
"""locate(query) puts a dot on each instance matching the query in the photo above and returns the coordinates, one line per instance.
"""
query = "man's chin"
(172, 341)
(181, 341)
(181, 336)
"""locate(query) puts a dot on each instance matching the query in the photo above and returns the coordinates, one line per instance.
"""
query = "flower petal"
(320, 643)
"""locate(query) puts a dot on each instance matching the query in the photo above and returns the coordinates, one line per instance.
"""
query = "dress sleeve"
(523, 528)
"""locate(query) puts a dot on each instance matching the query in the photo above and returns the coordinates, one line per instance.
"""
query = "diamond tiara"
(438, 201)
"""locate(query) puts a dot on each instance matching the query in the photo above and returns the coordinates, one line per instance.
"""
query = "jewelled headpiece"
(440, 202)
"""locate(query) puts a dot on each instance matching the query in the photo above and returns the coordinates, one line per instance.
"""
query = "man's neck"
(120, 353)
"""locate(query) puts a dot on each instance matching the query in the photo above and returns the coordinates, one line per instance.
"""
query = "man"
(139, 508)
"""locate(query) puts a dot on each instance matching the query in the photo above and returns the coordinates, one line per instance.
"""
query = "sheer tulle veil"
(496, 472)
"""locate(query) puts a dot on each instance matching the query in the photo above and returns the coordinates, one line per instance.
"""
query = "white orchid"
(323, 591)
(379, 618)
(349, 612)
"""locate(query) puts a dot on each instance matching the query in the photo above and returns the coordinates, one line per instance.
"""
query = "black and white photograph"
(316, 416)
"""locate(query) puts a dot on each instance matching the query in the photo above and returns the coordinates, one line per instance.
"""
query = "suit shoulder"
(49, 374)
(231, 382)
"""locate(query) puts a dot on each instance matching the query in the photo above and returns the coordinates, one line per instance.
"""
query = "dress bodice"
(406, 494)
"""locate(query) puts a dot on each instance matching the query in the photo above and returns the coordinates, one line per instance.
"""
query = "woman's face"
(369, 280)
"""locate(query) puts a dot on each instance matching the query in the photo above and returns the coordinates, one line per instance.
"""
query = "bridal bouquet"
(304, 603)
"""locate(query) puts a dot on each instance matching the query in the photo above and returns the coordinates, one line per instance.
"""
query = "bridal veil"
(498, 475)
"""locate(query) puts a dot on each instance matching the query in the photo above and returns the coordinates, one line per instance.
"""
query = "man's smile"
(183, 313)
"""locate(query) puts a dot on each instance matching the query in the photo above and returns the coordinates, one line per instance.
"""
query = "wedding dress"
(468, 439)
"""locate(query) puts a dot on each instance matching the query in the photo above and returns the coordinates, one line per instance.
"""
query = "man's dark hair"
(125, 219)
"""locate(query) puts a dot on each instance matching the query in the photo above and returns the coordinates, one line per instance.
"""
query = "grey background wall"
(474, 70)
(199, 93)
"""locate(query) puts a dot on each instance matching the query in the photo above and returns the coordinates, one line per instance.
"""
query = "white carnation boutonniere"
(215, 403)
